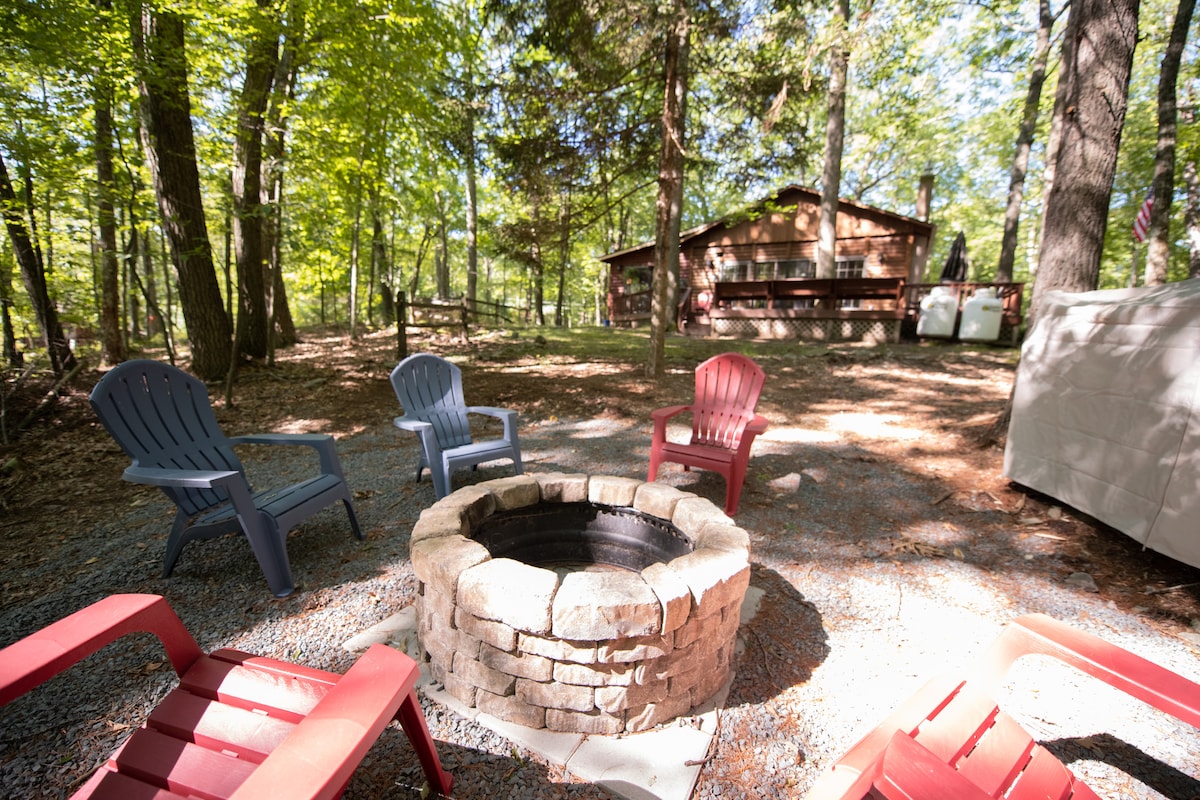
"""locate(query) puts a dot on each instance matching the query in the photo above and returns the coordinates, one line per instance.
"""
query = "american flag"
(1141, 222)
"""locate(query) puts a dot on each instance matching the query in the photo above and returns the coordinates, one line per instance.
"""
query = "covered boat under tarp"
(1106, 411)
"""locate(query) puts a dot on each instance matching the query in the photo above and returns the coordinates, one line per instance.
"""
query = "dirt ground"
(921, 407)
(871, 470)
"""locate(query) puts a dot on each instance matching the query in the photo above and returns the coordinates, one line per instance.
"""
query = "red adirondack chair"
(950, 739)
(724, 423)
(237, 726)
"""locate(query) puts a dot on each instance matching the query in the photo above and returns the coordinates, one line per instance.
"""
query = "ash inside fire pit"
(516, 620)
(578, 535)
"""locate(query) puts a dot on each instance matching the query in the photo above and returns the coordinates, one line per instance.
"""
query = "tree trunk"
(442, 259)
(248, 210)
(1054, 139)
(1191, 218)
(378, 259)
(669, 204)
(112, 339)
(281, 330)
(1159, 250)
(171, 150)
(30, 263)
(1091, 99)
(470, 155)
(564, 257)
(835, 127)
(1016, 183)
(1096, 98)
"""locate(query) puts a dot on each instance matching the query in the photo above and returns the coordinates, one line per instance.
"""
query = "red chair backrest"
(727, 390)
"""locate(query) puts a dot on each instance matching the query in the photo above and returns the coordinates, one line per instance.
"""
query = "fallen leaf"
(906, 545)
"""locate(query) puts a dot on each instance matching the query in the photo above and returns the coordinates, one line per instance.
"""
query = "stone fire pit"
(622, 641)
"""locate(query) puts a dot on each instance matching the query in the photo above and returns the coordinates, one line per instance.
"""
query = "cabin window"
(783, 269)
(850, 267)
(737, 271)
(637, 279)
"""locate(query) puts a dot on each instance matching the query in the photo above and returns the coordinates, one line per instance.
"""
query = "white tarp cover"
(1106, 411)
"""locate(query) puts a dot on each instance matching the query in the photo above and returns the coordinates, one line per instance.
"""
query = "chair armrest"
(30, 662)
(323, 443)
(491, 411)
(182, 478)
(753, 428)
(1039, 634)
(668, 412)
(425, 433)
(318, 757)
(506, 415)
(232, 482)
(661, 416)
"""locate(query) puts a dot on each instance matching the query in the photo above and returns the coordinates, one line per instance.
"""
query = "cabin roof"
(786, 195)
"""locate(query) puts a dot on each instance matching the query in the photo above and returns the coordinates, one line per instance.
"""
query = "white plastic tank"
(981, 317)
(939, 311)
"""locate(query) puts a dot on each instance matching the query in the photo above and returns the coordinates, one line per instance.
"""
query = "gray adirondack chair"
(163, 420)
(430, 392)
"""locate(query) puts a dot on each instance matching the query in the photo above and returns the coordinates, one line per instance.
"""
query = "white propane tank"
(981, 317)
(939, 311)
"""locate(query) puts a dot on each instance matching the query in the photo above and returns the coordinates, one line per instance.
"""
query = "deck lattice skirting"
(876, 331)
(603, 652)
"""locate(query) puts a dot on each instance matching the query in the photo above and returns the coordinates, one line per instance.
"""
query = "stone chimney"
(921, 245)
(925, 195)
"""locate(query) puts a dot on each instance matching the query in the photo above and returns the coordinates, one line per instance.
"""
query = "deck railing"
(880, 296)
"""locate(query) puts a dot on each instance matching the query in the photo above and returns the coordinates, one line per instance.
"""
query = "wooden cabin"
(752, 274)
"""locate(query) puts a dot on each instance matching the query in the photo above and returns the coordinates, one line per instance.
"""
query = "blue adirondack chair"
(430, 392)
(163, 420)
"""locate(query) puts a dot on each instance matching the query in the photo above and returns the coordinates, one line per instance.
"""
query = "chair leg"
(175, 542)
(441, 479)
(269, 547)
(733, 490)
(655, 462)
(358, 534)
(412, 720)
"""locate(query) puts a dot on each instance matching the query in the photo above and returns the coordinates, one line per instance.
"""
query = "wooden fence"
(458, 314)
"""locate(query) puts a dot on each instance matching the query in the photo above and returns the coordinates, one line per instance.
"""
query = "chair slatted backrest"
(727, 391)
(430, 389)
(162, 417)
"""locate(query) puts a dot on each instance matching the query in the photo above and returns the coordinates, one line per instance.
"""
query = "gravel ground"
(877, 576)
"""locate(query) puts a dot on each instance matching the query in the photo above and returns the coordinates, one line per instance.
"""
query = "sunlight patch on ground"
(585, 369)
(594, 429)
(873, 426)
(799, 436)
(304, 426)
(940, 378)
